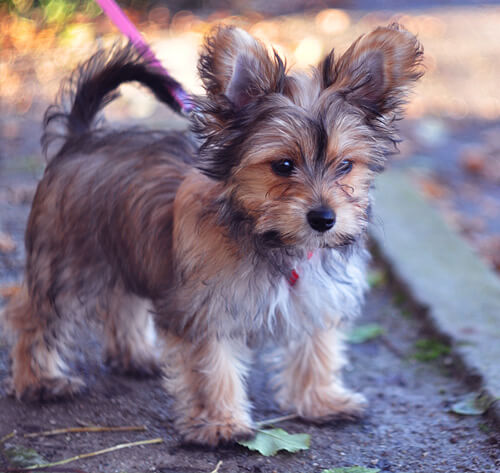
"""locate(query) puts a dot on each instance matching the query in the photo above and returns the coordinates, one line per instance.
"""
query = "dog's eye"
(344, 167)
(283, 167)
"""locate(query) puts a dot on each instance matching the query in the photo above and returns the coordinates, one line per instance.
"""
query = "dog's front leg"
(207, 380)
(309, 380)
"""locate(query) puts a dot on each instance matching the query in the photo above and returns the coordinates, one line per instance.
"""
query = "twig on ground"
(91, 428)
(52, 470)
(216, 469)
(275, 420)
(389, 345)
(82, 423)
(7, 437)
(94, 454)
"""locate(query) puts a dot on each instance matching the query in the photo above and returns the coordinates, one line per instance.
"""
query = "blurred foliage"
(24, 6)
(51, 11)
(60, 12)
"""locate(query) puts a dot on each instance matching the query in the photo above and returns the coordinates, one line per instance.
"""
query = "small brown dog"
(255, 226)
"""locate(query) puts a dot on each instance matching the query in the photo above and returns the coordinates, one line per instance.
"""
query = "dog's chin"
(273, 239)
(334, 241)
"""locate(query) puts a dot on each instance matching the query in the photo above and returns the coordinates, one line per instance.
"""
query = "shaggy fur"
(214, 240)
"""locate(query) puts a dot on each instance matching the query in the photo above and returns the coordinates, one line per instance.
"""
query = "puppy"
(252, 226)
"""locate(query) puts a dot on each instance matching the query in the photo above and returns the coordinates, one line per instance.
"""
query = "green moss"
(430, 349)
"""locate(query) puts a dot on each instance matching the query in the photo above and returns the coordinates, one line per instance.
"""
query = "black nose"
(321, 219)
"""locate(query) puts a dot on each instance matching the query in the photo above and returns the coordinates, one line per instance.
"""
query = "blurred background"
(451, 143)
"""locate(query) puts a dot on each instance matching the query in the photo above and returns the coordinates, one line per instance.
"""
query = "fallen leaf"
(364, 333)
(473, 160)
(23, 457)
(9, 291)
(473, 404)
(432, 187)
(377, 278)
(470, 226)
(270, 441)
(7, 244)
(489, 247)
(352, 469)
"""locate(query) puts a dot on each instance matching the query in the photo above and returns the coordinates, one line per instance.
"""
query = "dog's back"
(104, 202)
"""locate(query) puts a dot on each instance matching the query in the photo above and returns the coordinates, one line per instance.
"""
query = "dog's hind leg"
(40, 338)
(130, 336)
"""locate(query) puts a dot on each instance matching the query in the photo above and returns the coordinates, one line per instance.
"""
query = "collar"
(294, 275)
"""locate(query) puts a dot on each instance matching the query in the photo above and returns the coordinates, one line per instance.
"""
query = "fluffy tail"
(93, 85)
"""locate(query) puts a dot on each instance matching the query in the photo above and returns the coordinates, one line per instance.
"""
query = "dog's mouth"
(345, 241)
(336, 241)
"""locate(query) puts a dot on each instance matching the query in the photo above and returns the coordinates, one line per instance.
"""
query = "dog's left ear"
(234, 65)
(375, 73)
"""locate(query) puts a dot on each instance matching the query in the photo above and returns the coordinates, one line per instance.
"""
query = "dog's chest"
(322, 289)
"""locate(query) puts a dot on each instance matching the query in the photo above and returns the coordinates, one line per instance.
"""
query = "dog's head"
(297, 153)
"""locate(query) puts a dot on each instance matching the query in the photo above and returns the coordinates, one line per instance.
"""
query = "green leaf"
(429, 350)
(377, 278)
(352, 469)
(270, 441)
(473, 405)
(484, 428)
(23, 457)
(366, 332)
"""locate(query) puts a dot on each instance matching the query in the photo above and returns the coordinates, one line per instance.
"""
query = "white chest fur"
(329, 289)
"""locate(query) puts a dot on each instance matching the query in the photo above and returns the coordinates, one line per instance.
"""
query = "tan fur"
(36, 365)
(208, 381)
(310, 381)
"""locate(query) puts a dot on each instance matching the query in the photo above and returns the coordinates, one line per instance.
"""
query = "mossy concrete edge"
(443, 274)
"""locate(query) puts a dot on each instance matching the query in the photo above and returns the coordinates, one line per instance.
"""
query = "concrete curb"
(443, 275)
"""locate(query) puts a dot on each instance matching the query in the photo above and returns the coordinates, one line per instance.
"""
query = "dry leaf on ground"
(7, 243)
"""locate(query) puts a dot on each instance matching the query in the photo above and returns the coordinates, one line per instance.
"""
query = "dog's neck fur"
(238, 225)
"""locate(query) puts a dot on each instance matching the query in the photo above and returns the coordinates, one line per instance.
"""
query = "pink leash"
(122, 22)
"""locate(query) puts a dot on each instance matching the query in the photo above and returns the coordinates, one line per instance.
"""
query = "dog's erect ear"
(236, 66)
(375, 73)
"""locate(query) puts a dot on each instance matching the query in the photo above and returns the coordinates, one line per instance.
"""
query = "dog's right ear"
(376, 72)
(235, 66)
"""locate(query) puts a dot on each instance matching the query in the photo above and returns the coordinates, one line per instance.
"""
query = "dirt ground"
(407, 428)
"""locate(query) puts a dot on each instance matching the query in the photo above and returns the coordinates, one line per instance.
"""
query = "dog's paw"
(210, 432)
(46, 389)
(332, 404)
